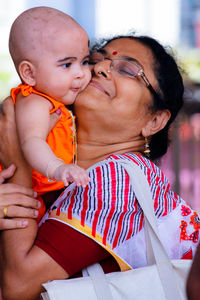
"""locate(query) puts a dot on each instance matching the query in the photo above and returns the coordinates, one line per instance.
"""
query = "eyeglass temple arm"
(142, 75)
(148, 84)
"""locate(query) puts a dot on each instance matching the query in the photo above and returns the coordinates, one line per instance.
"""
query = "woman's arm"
(19, 199)
(9, 147)
(23, 265)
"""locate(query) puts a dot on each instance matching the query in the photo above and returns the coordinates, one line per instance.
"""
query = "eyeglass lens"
(125, 68)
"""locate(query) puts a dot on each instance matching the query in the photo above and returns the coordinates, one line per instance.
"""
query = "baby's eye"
(67, 65)
(85, 62)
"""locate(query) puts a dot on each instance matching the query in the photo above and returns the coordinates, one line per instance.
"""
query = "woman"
(135, 94)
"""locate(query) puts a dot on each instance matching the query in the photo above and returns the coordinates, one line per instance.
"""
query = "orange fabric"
(60, 139)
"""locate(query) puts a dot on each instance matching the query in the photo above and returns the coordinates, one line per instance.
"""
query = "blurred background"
(176, 24)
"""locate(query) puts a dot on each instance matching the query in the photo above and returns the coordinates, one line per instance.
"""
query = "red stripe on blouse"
(99, 201)
(112, 203)
(85, 205)
(71, 204)
(132, 221)
(157, 194)
(119, 226)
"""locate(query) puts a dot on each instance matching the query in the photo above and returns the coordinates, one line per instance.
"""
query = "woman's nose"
(103, 68)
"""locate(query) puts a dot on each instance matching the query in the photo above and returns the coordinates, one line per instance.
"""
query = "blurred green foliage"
(4, 84)
(191, 63)
(7, 76)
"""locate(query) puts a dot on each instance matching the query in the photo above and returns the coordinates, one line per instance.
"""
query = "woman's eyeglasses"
(126, 67)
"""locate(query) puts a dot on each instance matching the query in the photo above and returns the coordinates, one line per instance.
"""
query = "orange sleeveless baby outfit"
(60, 139)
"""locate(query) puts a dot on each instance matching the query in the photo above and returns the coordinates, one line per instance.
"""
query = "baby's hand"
(68, 173)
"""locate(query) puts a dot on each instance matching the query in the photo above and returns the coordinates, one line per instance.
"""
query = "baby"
(50, 51)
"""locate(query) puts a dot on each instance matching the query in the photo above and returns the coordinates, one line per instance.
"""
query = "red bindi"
(115, 52)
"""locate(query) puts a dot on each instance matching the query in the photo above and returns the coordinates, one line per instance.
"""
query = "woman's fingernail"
(38, 204)
(59, 111)
(35, 194)
(36, 213)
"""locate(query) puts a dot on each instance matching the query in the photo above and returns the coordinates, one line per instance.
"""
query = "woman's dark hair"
(170, 90)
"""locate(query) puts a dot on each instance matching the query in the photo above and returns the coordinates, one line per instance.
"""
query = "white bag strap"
(150, 254)
(100, 283)
(44, 296)
(144, 197)
(154, 245)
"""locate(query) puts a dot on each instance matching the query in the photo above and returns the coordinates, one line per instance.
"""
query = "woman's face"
(115, 103)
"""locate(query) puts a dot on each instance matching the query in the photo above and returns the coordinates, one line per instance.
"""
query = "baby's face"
(62, 71)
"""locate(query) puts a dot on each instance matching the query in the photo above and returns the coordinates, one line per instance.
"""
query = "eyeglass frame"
(140, 72)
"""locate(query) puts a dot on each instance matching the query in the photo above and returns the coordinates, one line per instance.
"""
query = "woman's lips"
(98, 86)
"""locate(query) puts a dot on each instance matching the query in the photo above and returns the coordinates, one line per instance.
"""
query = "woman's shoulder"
(154, 175)
(152, 172)
(144, 163)
(165, 199)
(147, 166)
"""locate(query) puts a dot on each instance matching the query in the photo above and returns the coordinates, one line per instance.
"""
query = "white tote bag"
(162, 279)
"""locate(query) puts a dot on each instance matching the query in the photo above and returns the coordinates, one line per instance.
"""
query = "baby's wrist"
(52, 166)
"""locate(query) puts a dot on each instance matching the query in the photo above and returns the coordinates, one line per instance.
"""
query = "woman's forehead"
(131, 48)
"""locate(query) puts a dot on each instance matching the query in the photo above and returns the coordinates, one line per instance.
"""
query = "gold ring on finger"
(5, 210)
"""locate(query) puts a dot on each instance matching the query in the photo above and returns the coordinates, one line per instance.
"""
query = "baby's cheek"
(89, 76)
(87, 80)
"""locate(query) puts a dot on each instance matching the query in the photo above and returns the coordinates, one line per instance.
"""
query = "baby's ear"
(27, 72)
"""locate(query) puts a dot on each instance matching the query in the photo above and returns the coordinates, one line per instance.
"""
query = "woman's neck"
(91, 153)
(97, 139)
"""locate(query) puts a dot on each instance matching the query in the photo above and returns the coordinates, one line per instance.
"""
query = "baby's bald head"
(34, 30)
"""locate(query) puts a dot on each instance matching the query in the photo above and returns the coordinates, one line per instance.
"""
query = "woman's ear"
(27, 72)
(156, 123)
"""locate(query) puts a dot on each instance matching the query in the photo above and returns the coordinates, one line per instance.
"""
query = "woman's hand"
(15, 201)
(7, 173)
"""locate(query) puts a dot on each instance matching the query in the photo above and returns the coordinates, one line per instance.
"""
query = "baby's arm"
(33, 120)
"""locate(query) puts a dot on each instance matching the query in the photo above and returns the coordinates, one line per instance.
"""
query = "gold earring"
(146, 148)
